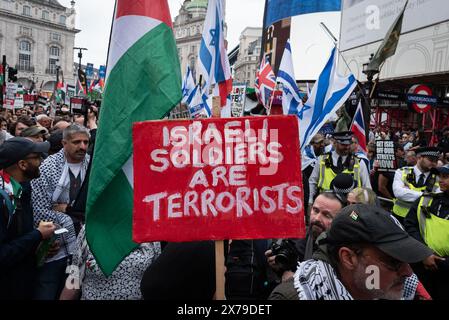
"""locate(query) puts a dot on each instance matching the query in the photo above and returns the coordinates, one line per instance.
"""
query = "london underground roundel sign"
(420, 97)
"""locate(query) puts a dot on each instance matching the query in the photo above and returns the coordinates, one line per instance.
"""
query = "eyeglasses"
(392, 264)
(388, 262)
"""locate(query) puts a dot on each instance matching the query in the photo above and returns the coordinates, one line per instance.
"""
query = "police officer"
(428, 222)
(410, 182)
(341, 160)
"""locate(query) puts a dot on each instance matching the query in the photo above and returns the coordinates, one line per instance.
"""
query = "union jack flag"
(358, 128)
(265, 82)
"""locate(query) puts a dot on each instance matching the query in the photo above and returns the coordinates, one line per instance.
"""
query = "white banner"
(18, 102)
(367, 21)
(238, 100)
(11, 90)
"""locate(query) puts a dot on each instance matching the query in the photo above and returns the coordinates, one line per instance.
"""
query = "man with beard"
(53, 194)
(324, 209)
(19, 163)
(365, 255)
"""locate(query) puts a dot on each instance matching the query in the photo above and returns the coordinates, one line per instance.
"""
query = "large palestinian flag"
(143, 82)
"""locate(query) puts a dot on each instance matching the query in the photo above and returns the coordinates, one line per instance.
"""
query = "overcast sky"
(94, 20)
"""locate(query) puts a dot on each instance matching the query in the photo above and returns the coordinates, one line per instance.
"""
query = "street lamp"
(370, 73)
(368, 88)
(80, 55)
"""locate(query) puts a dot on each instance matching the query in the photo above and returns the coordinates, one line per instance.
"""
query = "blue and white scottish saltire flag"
(198, 105)
(279, 9)
(291, 99)
(328, 94)
(213, 59)
(188, 84)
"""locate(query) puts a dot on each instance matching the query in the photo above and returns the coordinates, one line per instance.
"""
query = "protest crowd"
(374, 228)
(45, 169)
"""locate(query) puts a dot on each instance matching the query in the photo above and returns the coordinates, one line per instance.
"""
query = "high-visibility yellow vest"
(433, 229)
(402, 207)
(326, 174)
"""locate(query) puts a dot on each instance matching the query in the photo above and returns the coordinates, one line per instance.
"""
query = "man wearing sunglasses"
(19, 163)
(428, 222)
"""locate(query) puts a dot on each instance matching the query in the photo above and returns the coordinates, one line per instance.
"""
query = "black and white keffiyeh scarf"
(317, 280)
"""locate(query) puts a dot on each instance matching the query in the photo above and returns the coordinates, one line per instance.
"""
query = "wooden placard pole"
(219, 271)
(219, 245)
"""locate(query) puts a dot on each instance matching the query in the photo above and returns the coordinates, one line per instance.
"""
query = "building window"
(45, 15)
(25, 31)
(26, 11)
(54, 51)
(62, 19)
(192, 49)
(53, 59)
(24, 55)
(55, 37)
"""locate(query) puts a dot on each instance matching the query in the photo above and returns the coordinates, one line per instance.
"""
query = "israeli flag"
(291, 99)
(213, 58)
(188, 84)
(198, 104)
(328, 94)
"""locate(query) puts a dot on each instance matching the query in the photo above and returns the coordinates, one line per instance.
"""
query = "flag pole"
(219, 244)
(361, 90)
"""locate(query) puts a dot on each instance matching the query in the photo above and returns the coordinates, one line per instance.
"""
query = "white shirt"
(75, 168)
(403, 192)
(313, 181)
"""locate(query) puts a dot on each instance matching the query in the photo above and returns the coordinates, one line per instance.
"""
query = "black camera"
(286, 254)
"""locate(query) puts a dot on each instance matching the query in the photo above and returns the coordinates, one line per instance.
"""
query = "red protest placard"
(216, 179)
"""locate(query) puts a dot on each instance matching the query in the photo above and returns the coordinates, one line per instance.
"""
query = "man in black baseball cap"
(365, 255)
(16, 149)
(20, 159)
(371, 225)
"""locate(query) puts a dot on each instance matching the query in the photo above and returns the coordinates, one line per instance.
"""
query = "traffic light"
(12, 74)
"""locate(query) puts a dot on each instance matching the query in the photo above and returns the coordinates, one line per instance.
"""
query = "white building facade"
(37, 36)
(188, 29)
(248, 57)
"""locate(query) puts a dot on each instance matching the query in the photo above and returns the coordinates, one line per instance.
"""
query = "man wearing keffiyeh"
(62, 175)
(365, 255)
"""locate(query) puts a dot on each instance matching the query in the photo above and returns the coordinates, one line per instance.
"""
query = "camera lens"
(281, 259)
